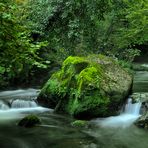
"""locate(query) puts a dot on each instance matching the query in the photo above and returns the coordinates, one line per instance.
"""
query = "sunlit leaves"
(17, 51)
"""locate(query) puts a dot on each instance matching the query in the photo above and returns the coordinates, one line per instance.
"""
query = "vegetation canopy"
(40, 34)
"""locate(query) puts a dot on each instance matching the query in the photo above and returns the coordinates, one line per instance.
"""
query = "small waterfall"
(23, 103)
(132, 108)
(18, 103)
(18, 99)
(125, 119)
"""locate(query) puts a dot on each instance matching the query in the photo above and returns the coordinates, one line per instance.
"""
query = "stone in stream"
(29, 121)
(80, 123)
(143, 98)
(87, 87)
(142, 122)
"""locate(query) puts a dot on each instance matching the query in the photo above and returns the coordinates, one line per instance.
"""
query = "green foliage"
(68, 25)
(126, 65)
(136, 15)
(80, 27)
(17, 51)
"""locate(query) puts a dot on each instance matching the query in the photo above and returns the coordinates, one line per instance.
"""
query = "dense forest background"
(37, 35)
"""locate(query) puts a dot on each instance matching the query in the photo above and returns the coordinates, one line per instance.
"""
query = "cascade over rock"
(142, 121)
(87, 87)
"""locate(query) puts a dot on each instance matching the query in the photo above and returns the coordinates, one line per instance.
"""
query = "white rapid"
(23, 103)
(18, 103)
(19, 93)
(3, 106)
(132, 108)
(126, 118)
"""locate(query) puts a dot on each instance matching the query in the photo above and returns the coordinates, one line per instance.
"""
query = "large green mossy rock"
(87, 87)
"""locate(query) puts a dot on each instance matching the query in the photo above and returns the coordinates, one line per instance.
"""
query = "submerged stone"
(87, 87)
(29, 121)
(142, 122)
(80, 123)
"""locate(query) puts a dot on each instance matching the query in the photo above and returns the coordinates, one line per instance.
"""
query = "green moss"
(73, 65)
(79, 123)
(83, 90)
(91, 105)
(88, 77)
(88, 74)
(73, 60)
(126, 65)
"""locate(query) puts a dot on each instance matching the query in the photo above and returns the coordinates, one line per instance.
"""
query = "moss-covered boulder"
(87, 87)
(29, 121)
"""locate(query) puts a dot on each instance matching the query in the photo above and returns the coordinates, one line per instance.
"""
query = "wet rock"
(142, 122)
(142, 97)
(80, 123)
(29, 121)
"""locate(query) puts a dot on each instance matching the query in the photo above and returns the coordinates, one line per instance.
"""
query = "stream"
(56, 130)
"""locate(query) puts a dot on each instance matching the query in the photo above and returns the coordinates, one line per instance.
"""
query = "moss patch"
(80, 123)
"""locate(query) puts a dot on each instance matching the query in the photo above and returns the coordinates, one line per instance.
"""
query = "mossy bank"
(87, 87)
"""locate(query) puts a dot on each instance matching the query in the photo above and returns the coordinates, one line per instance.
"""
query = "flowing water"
(125, 119)
(141, 81)
(141, 78)
(18, 103)
(56, 131)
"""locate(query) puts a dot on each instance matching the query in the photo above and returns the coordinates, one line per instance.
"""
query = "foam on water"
(17, 103)
(20, 112)
(23, 103)
(19, 93)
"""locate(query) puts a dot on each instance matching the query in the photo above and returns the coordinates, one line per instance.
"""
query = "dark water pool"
(56, 132)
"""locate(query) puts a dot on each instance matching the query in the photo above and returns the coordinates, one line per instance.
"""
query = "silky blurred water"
(140, 81)
(56, 131)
